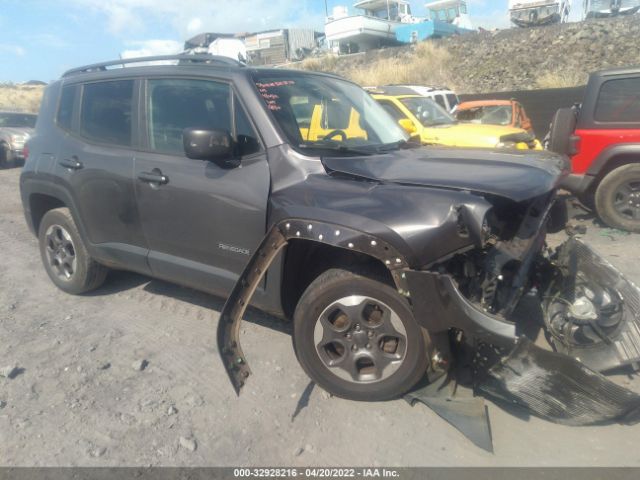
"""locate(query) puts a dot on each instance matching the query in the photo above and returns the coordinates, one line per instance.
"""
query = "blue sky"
(39, 39)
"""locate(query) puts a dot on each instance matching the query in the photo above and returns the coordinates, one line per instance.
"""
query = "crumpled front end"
(466, 262)
(585, 319)
(587, 309)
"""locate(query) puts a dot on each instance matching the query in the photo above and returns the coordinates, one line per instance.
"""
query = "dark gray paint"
(412, 199)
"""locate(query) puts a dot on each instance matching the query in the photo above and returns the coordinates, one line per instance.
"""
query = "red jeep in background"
(602, 138)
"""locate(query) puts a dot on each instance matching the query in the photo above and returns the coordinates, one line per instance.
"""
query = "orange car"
(494, 112)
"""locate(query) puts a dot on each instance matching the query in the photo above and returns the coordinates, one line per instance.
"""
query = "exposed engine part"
(498, 276)
(583, 317)
(558, 388)
(591, 311)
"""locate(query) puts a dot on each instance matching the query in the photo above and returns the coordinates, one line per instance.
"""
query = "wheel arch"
(39, 196)
(608, 161)
(612, 158)
(39, 205)
(304, 260)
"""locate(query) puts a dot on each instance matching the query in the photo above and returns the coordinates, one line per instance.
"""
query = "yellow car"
(421, 116)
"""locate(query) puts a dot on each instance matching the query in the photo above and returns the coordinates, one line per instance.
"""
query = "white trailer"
(532, 13)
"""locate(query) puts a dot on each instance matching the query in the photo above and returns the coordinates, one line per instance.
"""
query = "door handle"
(155, 176)
(71, 163)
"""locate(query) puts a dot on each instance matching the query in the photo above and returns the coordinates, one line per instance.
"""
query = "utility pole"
(326, 9)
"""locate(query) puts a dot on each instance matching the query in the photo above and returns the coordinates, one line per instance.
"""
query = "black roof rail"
(205, 59)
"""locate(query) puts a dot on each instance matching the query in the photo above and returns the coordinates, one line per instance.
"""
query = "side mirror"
(201, 144)
(408, 125)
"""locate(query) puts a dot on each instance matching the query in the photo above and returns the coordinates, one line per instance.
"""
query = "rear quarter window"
(64, 118)
(619, 101)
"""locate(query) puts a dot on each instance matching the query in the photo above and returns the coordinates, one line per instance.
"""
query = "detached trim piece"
(228, 334)
(558, 388)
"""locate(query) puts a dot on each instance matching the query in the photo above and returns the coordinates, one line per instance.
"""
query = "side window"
(176, 104)
(392, 110)
(105, 115)
(64, 118)
(440, 101)
(246, 137)
(453, 100)
(619, 101)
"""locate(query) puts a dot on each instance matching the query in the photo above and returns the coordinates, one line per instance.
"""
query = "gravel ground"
(129, 375)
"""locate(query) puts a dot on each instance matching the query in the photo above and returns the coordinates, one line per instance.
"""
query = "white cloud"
(194, 26)
(149, 48)
(189, 17)
(12, 49)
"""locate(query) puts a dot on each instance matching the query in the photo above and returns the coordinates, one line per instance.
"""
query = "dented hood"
(517, 175)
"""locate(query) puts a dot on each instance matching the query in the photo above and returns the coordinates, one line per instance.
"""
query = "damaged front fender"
(228, 338)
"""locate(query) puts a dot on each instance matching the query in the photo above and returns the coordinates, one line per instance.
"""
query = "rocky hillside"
(20, 97)
(515, 59)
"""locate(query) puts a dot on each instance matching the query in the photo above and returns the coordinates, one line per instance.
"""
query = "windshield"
(19, 120)
(489, 115)
(316, 111)
(428, 113)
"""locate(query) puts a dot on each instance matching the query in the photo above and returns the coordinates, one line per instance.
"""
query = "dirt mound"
(515, 59)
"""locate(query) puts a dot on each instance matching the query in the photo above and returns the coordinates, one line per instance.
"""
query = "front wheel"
(357, 338)
(617, 198)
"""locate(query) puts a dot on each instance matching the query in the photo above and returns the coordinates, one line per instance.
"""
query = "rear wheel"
(617, 198)
(65, 256)
(357, 338)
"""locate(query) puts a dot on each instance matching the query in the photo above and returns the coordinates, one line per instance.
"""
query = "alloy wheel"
(60, 252)
(360, 339)
(626, 200)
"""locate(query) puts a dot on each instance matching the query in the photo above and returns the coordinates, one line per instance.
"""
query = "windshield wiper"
(334, 147)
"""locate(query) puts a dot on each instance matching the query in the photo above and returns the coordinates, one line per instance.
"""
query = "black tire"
(617, 198)
(562, 127)
(6, 157)
(64, 255)
(374, 300)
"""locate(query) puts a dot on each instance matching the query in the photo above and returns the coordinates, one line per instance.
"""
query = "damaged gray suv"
(295, 192)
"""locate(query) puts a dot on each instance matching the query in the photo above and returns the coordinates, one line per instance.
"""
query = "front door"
(202, 219)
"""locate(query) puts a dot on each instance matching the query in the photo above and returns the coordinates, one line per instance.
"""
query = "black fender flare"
(611, 152)
(33, 186)
(228, 332)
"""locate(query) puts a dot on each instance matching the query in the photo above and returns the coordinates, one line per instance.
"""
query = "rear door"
(202, 220)
(95, 164)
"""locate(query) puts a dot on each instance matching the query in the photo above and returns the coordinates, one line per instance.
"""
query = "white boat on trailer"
(375, 27)
(610, 8)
